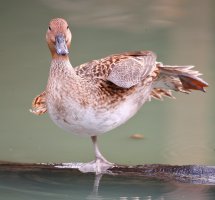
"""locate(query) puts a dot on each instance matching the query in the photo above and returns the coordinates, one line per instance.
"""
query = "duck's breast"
(89, 120)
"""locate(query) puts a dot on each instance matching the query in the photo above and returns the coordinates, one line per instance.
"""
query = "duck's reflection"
(64, 184)
(94, 194)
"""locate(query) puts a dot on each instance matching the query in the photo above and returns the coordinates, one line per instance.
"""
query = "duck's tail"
(178, 78)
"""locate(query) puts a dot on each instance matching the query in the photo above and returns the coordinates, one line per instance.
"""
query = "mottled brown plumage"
(98, 96)
(39, 104)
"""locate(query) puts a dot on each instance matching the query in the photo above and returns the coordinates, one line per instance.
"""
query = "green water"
(177, 131)
(64, 185)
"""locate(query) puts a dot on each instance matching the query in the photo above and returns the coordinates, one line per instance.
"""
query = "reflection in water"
(69, 185)
(96, 185)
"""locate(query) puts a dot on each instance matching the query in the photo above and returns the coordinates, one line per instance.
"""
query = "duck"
(95, 97)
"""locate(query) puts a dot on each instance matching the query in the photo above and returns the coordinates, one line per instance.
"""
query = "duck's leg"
(99, 156)
(100, 164)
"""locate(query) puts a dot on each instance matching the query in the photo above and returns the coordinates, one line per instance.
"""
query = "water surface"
(70, 185)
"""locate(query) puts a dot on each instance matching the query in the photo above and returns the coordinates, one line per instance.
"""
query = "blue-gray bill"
(61, 47)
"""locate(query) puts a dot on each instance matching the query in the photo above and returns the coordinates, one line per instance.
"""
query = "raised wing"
(132, 70)
(124, 70)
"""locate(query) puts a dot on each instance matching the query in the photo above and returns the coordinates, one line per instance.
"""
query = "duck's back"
(124, 70)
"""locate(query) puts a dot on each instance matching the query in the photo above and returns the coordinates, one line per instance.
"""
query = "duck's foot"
(99, 166)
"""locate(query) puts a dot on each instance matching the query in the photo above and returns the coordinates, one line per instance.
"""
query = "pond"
(65, 185)
(176, 132)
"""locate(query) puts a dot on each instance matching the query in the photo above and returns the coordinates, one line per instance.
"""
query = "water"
(177, 131)
(67, 185)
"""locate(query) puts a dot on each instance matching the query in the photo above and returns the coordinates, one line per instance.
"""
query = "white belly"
(90, 122)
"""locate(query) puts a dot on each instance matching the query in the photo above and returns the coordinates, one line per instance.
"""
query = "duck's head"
(58, 37)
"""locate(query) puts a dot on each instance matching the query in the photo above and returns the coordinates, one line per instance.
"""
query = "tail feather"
(178, 78)
(159, 93)
(192, 83)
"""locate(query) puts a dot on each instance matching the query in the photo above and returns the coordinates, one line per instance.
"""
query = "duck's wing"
(39, 104)
(124, 70)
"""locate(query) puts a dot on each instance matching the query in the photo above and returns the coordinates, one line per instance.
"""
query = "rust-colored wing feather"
(39, 104)
(187, 78)
(177, 78)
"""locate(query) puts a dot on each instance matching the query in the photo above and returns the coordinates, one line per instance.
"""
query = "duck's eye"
(50, 28)
(67, 27)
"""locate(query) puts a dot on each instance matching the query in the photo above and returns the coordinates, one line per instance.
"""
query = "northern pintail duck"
(98, 96)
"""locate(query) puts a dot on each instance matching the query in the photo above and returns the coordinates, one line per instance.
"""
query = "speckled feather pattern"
(92, 86)
(100, 95)
(73, 92)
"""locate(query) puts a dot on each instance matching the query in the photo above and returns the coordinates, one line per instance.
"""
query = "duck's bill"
(61, 47)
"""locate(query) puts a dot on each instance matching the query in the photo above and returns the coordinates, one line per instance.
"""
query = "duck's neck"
(61, 65)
